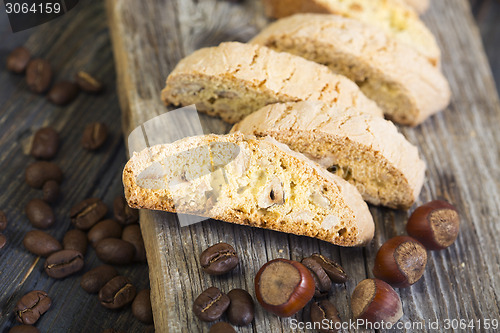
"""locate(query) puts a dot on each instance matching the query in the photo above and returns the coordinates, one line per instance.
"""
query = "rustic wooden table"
(80, 40)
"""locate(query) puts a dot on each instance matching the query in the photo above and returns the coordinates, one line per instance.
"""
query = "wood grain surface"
(460, 146)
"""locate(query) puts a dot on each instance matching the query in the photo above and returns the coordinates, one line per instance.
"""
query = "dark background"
(80, 40)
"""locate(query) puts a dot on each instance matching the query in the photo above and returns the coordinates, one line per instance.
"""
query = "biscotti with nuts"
(367, 151)
(379, 64)
(420, 6)
(394, 17)
(233, 80)
(245, 180)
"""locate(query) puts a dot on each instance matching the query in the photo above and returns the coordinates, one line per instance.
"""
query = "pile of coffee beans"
(116, 240)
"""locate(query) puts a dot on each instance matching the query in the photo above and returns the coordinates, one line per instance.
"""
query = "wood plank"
(459, 146)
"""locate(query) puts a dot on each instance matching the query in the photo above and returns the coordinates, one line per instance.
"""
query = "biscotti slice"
(250, 181)
(420, 6)
(233, 80)
(394, 17)
(367, 151)
(405, 86)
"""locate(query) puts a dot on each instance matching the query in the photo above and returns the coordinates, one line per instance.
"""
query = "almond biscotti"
(405, 86)
(394, 17)
(233, 80)
(367, 151)
(249, 181)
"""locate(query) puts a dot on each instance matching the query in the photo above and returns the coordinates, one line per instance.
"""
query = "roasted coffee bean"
(324, 311)
(37, 173)
(31, 306)
(38, 75)
(88, 212)
(321, 279)
(334, 270)
(115, 251)
(18, 60)
(41, 243)
(221, 327)
(63, 93)
(3, 221)
(45, 143)
(241, 310)
(51, 191)
(24, 329)
(63, 263)
(123, 212)
(96, 278)
(141, 307)
(75, 240)
(88, 83)
(94, 136)
(219, 259)
(132, 234)
(117, 293)
(39, 213)
(3, 241)
(104, 229)
(211, 304)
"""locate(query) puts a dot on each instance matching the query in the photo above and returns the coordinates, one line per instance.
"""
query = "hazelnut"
(400, 261)
(435, 224)
(375, 301)
(273, 194)
(284, 287)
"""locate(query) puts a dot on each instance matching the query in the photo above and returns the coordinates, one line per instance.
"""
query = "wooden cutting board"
(460, 146)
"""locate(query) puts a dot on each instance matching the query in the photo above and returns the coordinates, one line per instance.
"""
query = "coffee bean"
(40, 214)
(24, 329)
(141, 307)
(3, 240)
(321, 279)
(88, 83)
(211, 304)
(334, 270)
(117, 293)
(241, 310)
(18, 60)
(63, 92)
(31, 306)
(41, 243)
(88, 212)
(324, 311)
(3, 221)
(219, 259)
(123, 212)
(104, 229)
(94, 136)
(38, 75)
(37, 173)
(221, 327)
(75, 240)
(132, 234)
(96, 278)
(115, 251)
(63, 263)
(45, 143)
(50, 191)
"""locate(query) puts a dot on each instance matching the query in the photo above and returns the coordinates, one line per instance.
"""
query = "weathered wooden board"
(460, 146)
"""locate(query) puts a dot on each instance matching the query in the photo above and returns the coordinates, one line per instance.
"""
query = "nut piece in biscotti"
(245, 180)
(420, 6)
(395, 17)
(367, 151)
(233, 80)
(377, 62)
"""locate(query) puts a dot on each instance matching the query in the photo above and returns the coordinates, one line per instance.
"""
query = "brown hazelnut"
(375, 301)
(284, 287)
(435, 224)
(400, 261)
